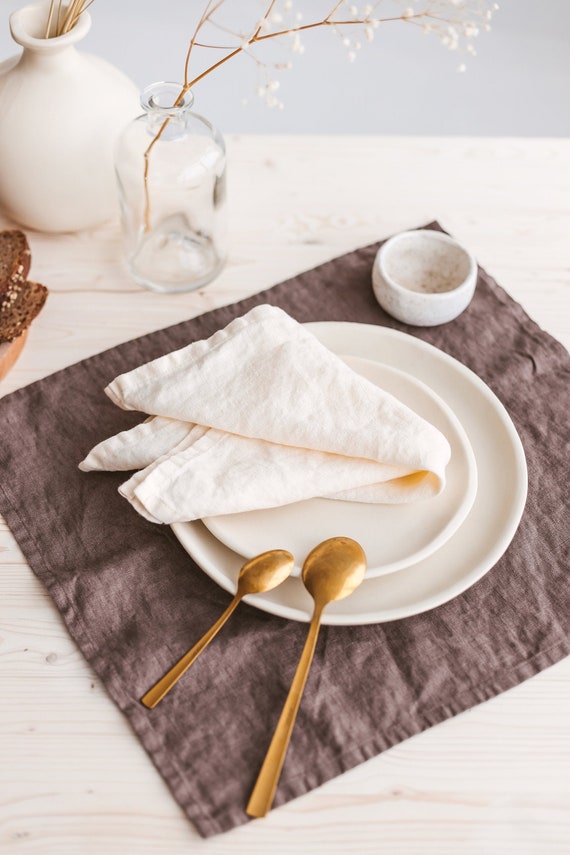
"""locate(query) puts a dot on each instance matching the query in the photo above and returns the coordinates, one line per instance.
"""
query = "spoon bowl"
(265, 572)
(334, 569)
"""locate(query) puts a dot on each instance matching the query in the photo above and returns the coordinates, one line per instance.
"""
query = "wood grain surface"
(73, 778)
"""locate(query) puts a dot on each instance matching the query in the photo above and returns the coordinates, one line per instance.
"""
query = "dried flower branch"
(454, 22)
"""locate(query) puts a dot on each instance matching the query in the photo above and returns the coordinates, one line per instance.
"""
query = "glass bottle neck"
(167, 101)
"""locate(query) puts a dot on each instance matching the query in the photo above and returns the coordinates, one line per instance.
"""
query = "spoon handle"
(263, 792)
(164, 685)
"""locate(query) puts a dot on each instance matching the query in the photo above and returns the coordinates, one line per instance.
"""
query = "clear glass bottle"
(174, 211)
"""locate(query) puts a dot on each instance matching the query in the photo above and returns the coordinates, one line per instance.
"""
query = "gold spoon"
(257, 575)
(332, 571)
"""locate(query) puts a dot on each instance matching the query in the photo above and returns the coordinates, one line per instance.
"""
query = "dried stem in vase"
(61, 19)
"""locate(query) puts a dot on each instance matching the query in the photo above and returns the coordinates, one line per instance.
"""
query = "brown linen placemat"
(134, 601)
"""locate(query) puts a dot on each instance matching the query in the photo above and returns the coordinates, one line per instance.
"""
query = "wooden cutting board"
(9, 353)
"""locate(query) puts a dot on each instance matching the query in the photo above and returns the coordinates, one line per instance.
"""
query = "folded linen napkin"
(261, 415)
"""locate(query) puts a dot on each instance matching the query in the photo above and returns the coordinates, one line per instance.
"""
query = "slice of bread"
(19, 307)
(20, 300)
(15, 260)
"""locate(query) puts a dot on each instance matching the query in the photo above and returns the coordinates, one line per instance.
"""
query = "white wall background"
(404, 82)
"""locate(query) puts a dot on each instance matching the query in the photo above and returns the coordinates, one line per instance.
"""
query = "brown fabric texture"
(134, 601)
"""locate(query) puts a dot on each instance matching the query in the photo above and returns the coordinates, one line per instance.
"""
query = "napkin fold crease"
(260, 415)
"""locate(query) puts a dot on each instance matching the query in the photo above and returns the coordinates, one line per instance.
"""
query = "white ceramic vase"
(62, 111)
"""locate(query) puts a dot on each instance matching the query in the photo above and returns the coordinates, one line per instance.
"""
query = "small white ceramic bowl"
(424, 277)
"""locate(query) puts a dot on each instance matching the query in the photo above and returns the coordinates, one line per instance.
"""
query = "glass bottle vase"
(171, 171)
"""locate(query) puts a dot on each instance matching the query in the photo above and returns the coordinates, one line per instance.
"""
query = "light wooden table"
(73, 778)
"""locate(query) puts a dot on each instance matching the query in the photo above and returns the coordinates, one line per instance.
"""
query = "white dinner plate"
(474, 548)
(393, 536)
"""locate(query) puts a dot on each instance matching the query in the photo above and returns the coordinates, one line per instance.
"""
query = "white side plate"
(392, 536)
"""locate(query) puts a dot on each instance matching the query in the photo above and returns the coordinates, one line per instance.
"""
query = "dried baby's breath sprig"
(454, 22)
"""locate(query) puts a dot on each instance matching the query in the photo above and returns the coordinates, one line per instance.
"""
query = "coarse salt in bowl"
(424, 277)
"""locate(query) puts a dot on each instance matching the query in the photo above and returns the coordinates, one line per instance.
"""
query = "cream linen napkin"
(261, 415)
